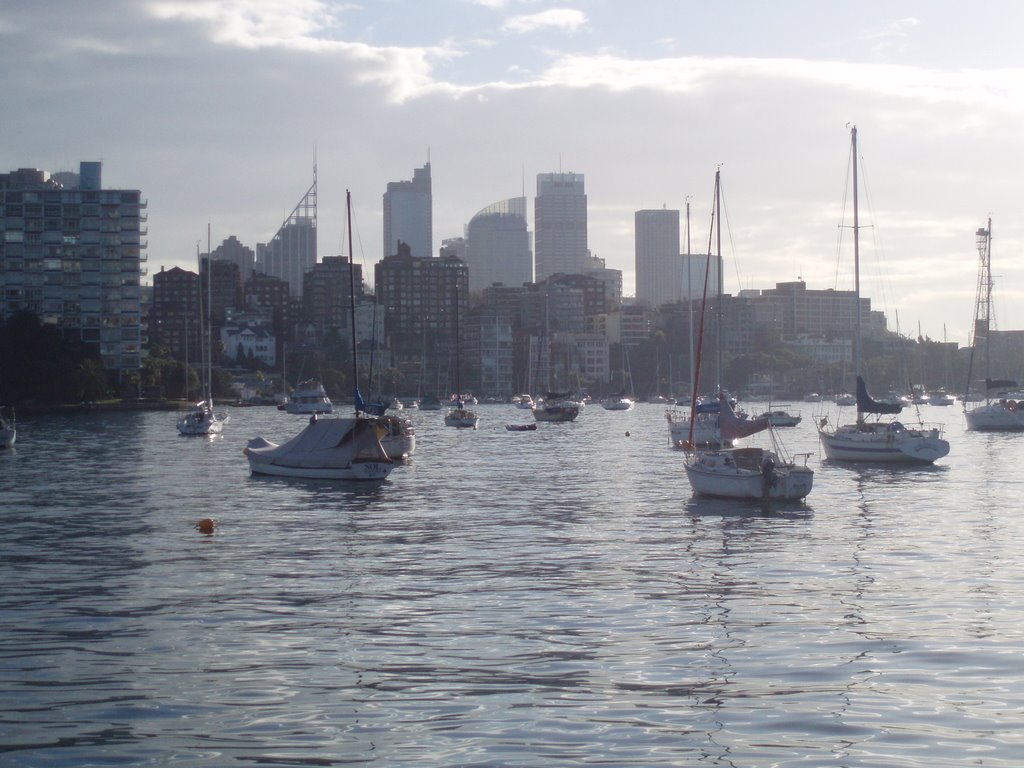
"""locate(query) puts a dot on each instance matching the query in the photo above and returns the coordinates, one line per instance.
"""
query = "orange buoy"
(206, 525)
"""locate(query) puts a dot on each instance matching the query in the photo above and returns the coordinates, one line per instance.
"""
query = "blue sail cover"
(373, 409)
(735, 428)
(866, 405)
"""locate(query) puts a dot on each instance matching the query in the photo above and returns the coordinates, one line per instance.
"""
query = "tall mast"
(209, 318)
(721, 286)
(689, 284)
(856, 254)
(352, 299)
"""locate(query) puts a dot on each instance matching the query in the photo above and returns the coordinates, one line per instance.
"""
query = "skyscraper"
(659, 269)
(292, 251)
(560, 221)
(72, 253)
(498, 247)
(409, 215)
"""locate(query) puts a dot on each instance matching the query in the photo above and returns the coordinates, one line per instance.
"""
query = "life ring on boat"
(1011, 406)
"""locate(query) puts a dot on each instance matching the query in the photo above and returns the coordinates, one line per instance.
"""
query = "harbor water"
(551, 597)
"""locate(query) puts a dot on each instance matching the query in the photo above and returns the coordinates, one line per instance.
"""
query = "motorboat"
(780, 418)
(309, 397)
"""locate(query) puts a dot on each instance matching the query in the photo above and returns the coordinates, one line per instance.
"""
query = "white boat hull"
(995, 417)
(7, 437)
(327, 449)
(742, 474)
(461, 418)
(882, 442)
(357, 470)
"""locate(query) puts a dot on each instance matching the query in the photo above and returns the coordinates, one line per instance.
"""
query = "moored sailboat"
(459, 415)
(999, 413)
(738, 473)
(329, 448)
(877, 440)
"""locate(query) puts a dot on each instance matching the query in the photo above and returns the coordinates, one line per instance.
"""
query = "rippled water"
(508, 598)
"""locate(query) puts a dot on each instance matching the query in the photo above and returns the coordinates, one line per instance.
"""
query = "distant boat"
(780, 418)
(521, 427)
(1001, 413)
(459, 416)
(309, 397)
(8, 430)
(556, 407)
(203, 419)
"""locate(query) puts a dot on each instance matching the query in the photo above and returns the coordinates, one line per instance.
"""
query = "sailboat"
(328, 448)
(621, 401)
(996, 414)
(459, 415)
(739, 473)
(876, 440)
(700, 427)
(203, 419)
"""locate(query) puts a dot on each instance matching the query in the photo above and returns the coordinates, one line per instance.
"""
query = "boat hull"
(881, 443)
(995, 417)
(554, 413)
(357, 471)
(732, 475)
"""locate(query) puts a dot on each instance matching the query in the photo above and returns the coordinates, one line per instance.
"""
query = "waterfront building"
(417, 297)
(174, 316)
(498, 245)
(560, 223)
(409, 215)
(659, 268)
(326, 294)
(72, 253)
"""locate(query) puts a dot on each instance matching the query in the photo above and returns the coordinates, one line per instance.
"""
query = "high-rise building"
(174, 317)
(659, 268)
(234, 251)
(560, 223)
(409, 215)
(326, 296)
(417, 297)
(72, 253)
(498, 245)
(292, 251)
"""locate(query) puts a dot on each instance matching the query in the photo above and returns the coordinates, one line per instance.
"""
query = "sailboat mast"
(721, 284)
(352, 299)
(209, 318)
(856, 255)
(689, 284)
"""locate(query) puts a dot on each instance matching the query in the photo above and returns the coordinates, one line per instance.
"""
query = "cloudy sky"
(216, 110)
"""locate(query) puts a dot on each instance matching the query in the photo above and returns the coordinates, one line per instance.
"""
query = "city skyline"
(218, 111)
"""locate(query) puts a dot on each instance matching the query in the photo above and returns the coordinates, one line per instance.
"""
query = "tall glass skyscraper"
(409, 215)
(498, 246)
(560, 222)
(659, 269)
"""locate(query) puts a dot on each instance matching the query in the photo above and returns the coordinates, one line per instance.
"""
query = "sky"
(218, 110)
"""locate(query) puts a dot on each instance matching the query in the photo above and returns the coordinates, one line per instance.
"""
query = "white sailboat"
(328, 448)
(739, 473)
(459, 416)
(998, 414)
(202, 419)
(876, 440)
